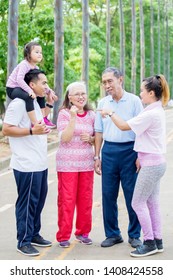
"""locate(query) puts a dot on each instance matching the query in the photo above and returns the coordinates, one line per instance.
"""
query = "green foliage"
(36, 21)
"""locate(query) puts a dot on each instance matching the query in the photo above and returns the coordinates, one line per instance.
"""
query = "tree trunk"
(122, 39)
(108, 33)
(152, 39)
(166, 42)
(133, 73)
(85, 42)
(142, 42)
(158, 40)
(58, 57)
(12, 40)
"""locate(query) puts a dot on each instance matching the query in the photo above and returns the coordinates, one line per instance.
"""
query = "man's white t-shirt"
(29, 153)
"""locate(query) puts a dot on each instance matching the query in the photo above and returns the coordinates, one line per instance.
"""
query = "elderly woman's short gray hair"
(74, 84)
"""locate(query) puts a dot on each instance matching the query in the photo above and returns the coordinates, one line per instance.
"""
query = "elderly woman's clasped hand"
(73, 110)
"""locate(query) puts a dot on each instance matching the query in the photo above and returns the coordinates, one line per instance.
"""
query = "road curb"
(4, 163)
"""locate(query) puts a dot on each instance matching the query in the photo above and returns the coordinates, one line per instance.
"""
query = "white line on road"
(169, 137)
(9, 171)
(5, 207)
(6, 172)
(50, 182)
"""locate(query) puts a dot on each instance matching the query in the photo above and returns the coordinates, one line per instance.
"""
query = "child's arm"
(24, 68)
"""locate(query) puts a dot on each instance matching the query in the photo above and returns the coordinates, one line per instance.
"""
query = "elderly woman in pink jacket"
(75, 165)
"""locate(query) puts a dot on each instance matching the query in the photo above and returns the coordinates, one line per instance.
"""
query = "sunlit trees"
(133, 65)
(137, 51)
(85, 42)
(142, 42)
(108, 31)
(122, 38)
(58, 56)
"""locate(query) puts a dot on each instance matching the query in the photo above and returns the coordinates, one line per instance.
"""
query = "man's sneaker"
(48, 123)
(84, 239)
(146, 249)
(40, 242)
(28, 250)
(135, 242)
(64, 244)
(111, 241)
(159, 244)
